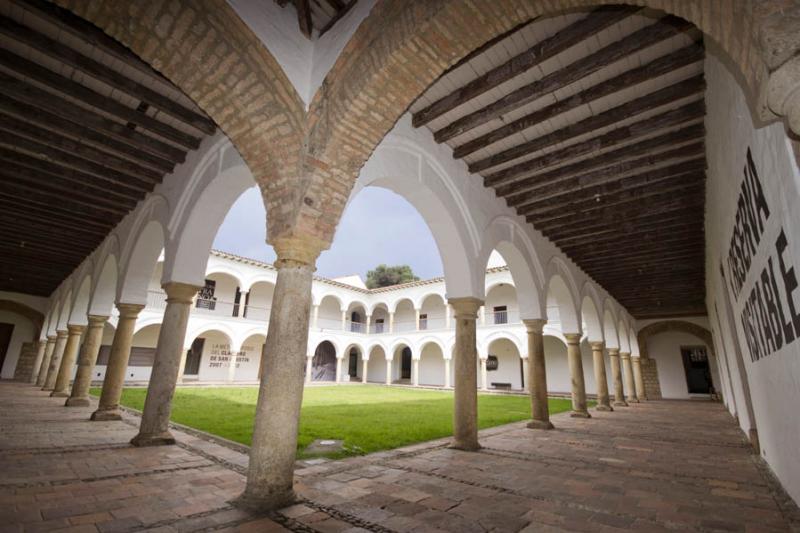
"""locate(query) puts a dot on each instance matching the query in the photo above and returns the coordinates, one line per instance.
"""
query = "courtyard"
(654, 466)
(366, 418)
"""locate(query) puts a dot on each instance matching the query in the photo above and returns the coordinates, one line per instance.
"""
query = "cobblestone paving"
(656, 466)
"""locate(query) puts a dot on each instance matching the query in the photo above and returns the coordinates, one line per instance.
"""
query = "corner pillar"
(49, 348)
(154, 428)
(630, 386)
(638, 379)
(465, 409)
(537, 375)
(37, 362)
(86, 361)
(388, 371)
(118, 363)
(415, 372)
(68, 360)
(365, 363)
(391, 322)
(603, 399)
(484, 377)
(270, 472)
(446, 373)
(579, 409)
(616, 375)
(338, 370)
(55, 360)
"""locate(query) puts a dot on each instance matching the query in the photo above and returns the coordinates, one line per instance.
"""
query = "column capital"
(96, 320)
(299, 250)
(466, 307)
(51, 338)
(182, 293)
(573, 338)
(129, 310)
(61, 333)
(625, 355)
(597, 345)
(75, 329)
(613, 352)
(535, 325)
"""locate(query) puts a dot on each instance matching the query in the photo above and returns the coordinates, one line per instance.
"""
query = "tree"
(386, 276)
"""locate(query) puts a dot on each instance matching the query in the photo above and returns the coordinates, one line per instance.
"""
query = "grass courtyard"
(367, 418)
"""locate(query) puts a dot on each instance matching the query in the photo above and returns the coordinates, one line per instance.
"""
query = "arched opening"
(221, 295)
(210, 356)
(80, 308)
(356, 318)
(559, 380)
(504, 366)
(248, 358)
(405, 316)
(376, 368)
(561, 311)
(380, 319)
(353, 356)
(432, 366)
(106, 340)
(138, 278)
(323, 364)
(433, 313)
(105, 288)
(258, 301)
(402, 363)
(329, 313)
(501, 305)
(143, 351)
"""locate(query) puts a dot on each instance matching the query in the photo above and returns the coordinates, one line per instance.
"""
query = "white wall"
(665, 348)
(431, 366)
(774, 379)
(24, 331)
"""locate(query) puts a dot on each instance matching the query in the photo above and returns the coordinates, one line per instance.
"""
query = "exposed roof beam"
(664, 29)
(596, 21)
(663, 65)
(55, 211)
(304, 17)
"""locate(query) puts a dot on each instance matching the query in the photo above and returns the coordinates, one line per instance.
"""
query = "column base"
(106, 415)
(580, 414)
(540, 424)
(159, 439)
(620, 403)
(47, 389)
(607, 408)
(465, 446)
(57, 394)
(631, 400)
(78, 402)
(265, 503)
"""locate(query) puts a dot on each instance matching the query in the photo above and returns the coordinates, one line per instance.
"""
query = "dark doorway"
(5, 339)
(323, 365)
(698, 373)
(405, 366)
(193, 357)
(352, 369)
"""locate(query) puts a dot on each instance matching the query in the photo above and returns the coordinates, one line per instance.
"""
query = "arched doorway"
(323, 364)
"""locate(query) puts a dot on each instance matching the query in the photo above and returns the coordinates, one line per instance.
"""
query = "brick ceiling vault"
(590, 125)
(87, 130)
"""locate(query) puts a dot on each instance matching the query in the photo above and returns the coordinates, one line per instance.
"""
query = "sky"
(377, 227)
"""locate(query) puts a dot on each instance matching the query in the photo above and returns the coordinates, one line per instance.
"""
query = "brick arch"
(387, 65)
(672, 325)
(208, 52)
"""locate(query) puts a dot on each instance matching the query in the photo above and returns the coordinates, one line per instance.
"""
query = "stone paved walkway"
(656, 466)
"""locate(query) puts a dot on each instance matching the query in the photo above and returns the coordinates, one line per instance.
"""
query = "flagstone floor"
(655, 466)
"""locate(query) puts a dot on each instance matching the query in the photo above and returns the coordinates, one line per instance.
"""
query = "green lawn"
(367, 418)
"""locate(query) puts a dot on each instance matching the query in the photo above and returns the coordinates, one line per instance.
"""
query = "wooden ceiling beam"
(672, 93)
(61, 52)
(654, 147)
(35, 220)
(659, 67)
(620, 281)
(13, 254)
(685, 184)
(658, 253)
(304, 17)
(56, 140)
(614, 178)
(25, 92)
(25, 193)
(24, 220)
(55, 212)
(12, 228)
(338, 16)
(616, 249)
(646, 234)
(666, 28)
(596, 21)
(93, 99)
(54, 123)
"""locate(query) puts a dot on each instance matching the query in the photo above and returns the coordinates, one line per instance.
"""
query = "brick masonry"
(652, 389)
(307, 162)
(27, 357)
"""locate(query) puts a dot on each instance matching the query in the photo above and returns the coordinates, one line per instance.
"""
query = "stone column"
(61, 387)
(309, 367)
(37, 363)
(482, 313)
(416, 319)
(118, 363)
(537, 376)
(55, 360)
(603, 400)
(48, 356)
(86, 362)
(638, 379)
(616, 375)
(415, 372)
(316, 316)
(338, 369)
(484, 379)
(627, 368)
(364, 370)
(576, 374)
(447, 316)
(388, 371)
(465, 397)
(391, 322)
(344, 320)
(270, 472)
(525, 371)
(368, 324)
(446, 373)
(154, 428)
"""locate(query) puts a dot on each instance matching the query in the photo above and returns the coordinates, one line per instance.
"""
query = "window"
(423, 321)
(379, 325)
(205, 296)
(500, 313)
(492, 363)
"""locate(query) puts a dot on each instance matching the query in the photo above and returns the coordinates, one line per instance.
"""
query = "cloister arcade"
(312, 132)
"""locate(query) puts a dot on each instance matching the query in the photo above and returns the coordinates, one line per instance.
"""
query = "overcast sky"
(377, 227)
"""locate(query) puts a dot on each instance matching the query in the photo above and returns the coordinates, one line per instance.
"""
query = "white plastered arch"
(610, 327)
(141, 251)
(219, 327)
(624, 341)
(402, 341)
(422, 343)
(336, 347)
(80, 306)
(106, 278)
(590, 313)
(562, 288)
(507, 335)
(372, 346)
